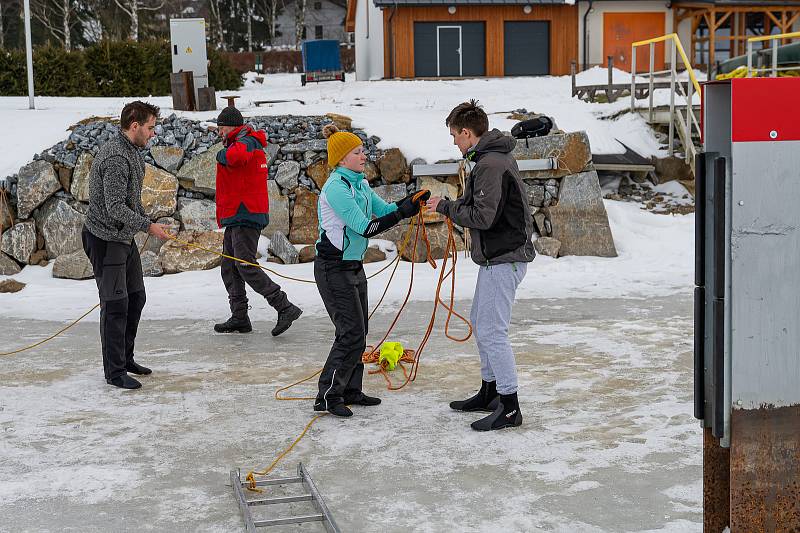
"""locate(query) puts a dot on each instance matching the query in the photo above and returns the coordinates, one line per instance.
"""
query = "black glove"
(410, 205)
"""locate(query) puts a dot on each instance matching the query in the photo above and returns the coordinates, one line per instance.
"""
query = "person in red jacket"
(243, 210)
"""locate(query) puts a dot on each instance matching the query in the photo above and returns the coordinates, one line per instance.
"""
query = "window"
(317, 5)
(317, 32)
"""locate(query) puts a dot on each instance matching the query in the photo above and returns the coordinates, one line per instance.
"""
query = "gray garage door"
(527, 48)
(449, 49)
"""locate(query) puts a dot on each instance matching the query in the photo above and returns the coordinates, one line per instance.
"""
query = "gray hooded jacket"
(494, 204)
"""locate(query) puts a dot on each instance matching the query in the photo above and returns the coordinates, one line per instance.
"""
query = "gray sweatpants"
(490, 316)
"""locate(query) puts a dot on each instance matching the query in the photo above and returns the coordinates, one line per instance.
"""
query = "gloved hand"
(411, 204)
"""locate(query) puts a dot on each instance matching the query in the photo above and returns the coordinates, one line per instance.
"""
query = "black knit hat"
(230, 116)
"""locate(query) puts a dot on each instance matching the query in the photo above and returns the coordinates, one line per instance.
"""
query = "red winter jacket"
(242, 198)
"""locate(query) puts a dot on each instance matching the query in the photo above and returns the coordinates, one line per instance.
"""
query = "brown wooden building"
(467, 38)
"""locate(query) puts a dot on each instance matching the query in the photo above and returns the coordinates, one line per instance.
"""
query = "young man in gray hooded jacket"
(494, 208)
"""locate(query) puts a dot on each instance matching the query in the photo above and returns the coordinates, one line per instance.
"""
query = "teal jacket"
(346, 207)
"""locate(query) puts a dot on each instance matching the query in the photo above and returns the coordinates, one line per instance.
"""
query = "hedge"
(109, 68)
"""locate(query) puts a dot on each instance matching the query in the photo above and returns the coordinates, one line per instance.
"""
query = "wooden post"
(610, 89)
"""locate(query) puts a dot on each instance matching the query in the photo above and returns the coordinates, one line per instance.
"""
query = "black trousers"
(118, 273)
(343, 287)
(242, 242)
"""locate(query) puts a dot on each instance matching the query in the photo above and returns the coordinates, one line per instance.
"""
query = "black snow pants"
(343, 287)
(118, 273)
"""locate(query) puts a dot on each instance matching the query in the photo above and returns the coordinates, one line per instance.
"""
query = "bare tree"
(300, 21)
(132, 8)
(214, 7)
(58, 17)
(2, 31)
(250, 13)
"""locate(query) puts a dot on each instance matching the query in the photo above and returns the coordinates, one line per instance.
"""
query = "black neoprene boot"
(285, 319)
(124, 382)
(485, 400)
(362, 399)
(506, 415)
(135, 368)
(234, 325)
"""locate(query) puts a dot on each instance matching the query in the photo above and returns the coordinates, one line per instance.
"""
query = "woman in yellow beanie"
(346, 208)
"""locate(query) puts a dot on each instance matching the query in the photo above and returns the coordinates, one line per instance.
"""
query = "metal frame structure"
(311, 494)
(774, 70)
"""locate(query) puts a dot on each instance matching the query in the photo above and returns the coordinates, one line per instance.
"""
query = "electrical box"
(188, 40)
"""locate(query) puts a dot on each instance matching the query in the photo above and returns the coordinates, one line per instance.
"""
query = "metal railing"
(686, 125)
(775, 68)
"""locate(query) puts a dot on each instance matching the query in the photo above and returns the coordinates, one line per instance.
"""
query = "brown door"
(620, 30)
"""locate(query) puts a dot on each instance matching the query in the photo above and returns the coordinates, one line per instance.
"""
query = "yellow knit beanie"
(340, 143)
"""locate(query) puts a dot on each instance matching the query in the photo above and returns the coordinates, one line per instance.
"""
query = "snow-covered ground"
(405, 114)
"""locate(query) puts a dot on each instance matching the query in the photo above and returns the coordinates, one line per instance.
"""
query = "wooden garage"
(469, 38)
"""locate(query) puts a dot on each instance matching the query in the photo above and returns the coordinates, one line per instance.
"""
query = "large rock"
(314, 145)
(535, 194)
(437, 188)
(437, 236)
(200, 174)
(80, 177)
(7, 212)
(374, 255)
(579, 220)
(307, 254)
(319, 172)
(73, 266)
(571, 149)
(11, 285)
(64, 173)
(8, 267)
(393, 166)
(168, 157)
(371, 171)
(61, 226)
(150, 243)
(20, 241)
(547, 246)
(342, 122)
(37, 182)
(151, 265)
(287, 173)
(176, 257)
(159, 192)
(271, 151)
(278, 211)
(672, 168)
(197, 215)
(280, 247)
(304, 228)
(391, 193)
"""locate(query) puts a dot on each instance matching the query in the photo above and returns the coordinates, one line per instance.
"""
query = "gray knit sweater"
(115, 192)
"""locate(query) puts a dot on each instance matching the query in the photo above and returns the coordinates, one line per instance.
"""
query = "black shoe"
(135, 368)
(285, 319)
(340, 410)
(124, 382)
(506, 415)
(234, 325)
(363, 399)
(487, 399)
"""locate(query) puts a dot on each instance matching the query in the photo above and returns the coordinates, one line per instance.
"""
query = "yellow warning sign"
(188, 49)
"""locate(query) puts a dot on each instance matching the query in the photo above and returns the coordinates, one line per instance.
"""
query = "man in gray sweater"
(115, 215)
(495, 209)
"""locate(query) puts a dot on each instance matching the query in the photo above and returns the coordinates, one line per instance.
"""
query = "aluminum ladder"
(311, 494)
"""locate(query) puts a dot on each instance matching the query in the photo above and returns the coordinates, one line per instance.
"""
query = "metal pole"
(689, 114)
(672, 99)
(652, 68)
(749, 57)
(29, 53)
(775, 59)
(633, 78)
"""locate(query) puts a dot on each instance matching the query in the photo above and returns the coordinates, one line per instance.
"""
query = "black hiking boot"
(124, 382)
(506, 415)
(363, 399)
(135, 368)
(337, 409)
(487, 399)
(285, 319)
(234, 325)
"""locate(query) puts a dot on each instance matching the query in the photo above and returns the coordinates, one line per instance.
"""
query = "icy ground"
(608, 443)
